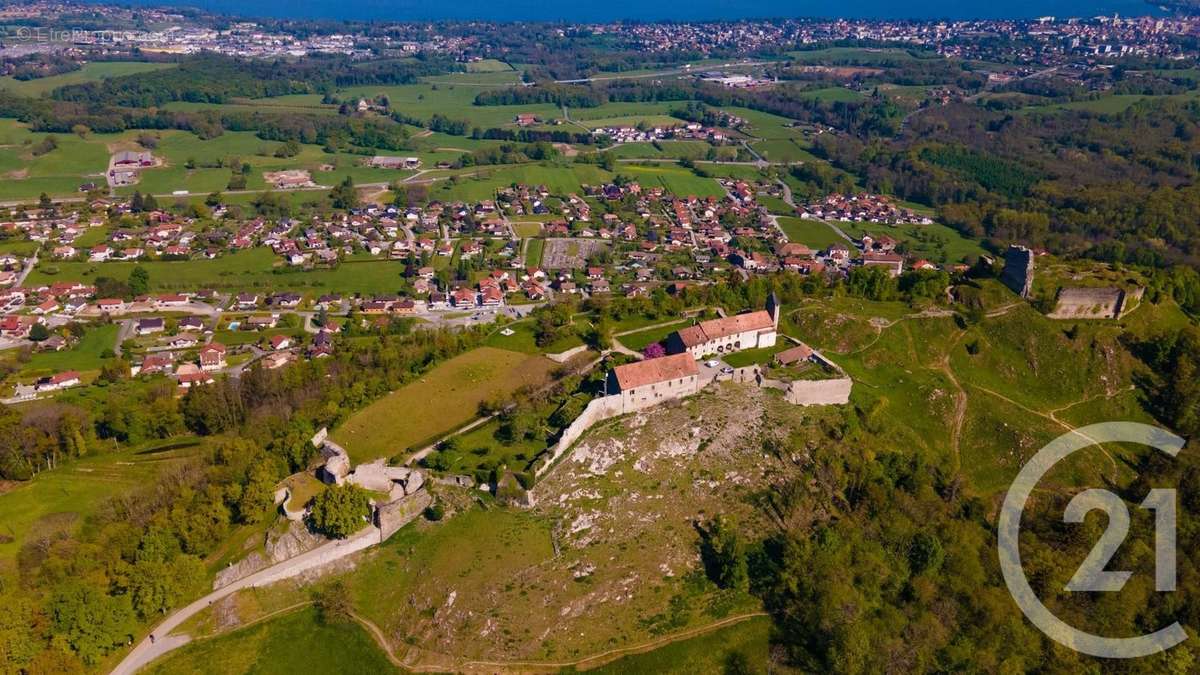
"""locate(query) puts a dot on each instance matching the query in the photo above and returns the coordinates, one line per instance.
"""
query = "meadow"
(812, 233)
(85, 356)
(935, 242)
(442, 400)
(91, 72)
(61, 499)
(296, 642)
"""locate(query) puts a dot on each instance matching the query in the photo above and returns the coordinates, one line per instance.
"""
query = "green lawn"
(442, 400)
(297, 642)
(533, 252)
(90, 72)
(65, 496)
(83, 356)
(522, 340)
(643, 338)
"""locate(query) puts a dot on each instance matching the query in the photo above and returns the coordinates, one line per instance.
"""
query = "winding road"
(160, 641)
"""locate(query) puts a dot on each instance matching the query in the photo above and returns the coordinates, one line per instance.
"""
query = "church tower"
(773, 308)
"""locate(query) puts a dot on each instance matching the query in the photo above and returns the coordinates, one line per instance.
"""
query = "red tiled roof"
(715, 329)
(652, 371)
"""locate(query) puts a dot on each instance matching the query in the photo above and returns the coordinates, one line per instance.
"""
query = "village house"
(151, 325)
(212, 356)
(63, 380)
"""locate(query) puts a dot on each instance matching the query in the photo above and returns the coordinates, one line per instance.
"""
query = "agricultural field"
(295, 642)
(676, 180)
(91, 72)
(858, 55)
(483, 182)
(456, 101)
(832, 95)
(440, 401)
(784, 150)
(61, 499)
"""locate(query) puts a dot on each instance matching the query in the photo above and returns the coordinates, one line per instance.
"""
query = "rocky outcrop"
(277, 547)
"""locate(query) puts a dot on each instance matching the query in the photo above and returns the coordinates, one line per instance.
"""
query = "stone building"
(646, 383)
(754, 330)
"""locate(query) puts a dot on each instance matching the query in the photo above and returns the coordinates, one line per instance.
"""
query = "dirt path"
(593, 661)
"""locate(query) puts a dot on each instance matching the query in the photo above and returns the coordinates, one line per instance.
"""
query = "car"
(727, 370)
(712, 363)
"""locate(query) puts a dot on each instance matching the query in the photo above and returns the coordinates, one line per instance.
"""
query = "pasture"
(296, 642)
(438, 402)
(62, 498)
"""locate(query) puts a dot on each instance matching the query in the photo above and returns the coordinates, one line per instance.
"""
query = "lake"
(691, 10)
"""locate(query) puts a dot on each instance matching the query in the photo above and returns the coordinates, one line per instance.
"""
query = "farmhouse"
(653, 381)
(385, 162)
(729, 334)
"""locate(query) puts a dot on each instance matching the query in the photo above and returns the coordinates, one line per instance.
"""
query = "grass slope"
(294, 643)
(445, 398)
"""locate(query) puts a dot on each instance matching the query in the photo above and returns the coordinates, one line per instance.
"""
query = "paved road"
(787, 197)
(148, 650)
(29, 265)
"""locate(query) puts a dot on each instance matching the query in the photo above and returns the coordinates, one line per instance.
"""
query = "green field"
(936, 242)
(90, 72)
(676, 180)
(443, 399)
(522, 339)
(256, 268)
(483, 183)
(63, 497)
(784, 150)
(707, 653)
(297, 642)
(832, 95)
(812, 233)
(858, 55)
(83, 356)
(643, 338)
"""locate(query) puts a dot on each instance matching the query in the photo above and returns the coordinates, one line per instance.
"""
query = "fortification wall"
(819, 392)
(598, 410)
(395, 515)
